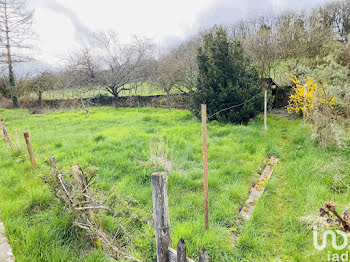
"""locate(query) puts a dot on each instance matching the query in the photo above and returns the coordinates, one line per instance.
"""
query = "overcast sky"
(61, 24)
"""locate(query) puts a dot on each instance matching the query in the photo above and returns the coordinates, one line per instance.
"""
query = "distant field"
(143, 90)
(117, 141)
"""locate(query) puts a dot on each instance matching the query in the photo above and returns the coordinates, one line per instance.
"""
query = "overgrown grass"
(117, 141)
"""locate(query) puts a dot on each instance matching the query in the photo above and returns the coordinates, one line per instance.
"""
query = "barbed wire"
(231, 107)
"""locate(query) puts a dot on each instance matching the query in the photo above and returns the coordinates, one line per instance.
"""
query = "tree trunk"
(9, 61)
(265, 108)
(40, 98)
(168, 99)
(115, 100)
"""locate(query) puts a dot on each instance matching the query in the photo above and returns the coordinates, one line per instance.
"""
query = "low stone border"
(258, 190)
(248, 208)
(5, 248)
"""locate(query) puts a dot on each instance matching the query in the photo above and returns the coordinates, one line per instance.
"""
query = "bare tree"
(186, 54)
(41, 82)
(177, 70)
(83, 66)
(337, 14)
(116, 66)
(262, 48)
(168, 73)
(15, 31)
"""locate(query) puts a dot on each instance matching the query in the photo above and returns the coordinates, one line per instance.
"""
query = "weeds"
(159, 154)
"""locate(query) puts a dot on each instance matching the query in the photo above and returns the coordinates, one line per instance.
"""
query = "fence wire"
(231, 107)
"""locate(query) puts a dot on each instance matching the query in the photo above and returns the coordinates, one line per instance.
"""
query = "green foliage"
(226, 78)
(329, 122)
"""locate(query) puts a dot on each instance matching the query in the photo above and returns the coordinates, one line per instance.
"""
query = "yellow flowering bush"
(316, 96)
(321, 111)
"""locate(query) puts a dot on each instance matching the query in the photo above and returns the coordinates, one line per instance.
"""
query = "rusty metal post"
(205, 166)
(30, 149)
(304, 111)
(265, 107)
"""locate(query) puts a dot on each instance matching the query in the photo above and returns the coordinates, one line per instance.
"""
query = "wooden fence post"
(203, 256)
(161, 215)
(53, 163)
(265, 107)
(181, 251)
(6, 133)
(304, 111)
(30, 150)
(205, 166)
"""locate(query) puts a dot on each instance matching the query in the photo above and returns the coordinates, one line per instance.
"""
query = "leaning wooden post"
(205, 166)
(161, 215)
(30, 149)
(304, 111)
(203, 256)
(53, 163)
(265, 107)
(181, 250)
(6, 133)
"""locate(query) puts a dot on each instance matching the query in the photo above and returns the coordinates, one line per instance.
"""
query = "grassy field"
(118, 142)
(144, 90)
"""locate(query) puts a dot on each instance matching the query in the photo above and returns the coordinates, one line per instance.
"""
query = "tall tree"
(337, 13)
(168, 74)
(226, 82)
(15, 31)
(186, 54)
(177, 69)
(263, 49)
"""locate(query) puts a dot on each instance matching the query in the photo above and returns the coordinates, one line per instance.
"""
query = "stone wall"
(179, 101)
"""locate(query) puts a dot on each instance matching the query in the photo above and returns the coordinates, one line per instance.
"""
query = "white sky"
(157, 19)
(60, 24)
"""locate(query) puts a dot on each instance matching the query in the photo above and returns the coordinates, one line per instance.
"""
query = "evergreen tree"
(226, 78)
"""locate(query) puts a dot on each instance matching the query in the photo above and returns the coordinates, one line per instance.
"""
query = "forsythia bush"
(322, 111)
(316, 96)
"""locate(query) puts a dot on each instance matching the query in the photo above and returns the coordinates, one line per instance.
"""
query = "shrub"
(322, 110)
(316, 96)
(226, 78)
(4, 88)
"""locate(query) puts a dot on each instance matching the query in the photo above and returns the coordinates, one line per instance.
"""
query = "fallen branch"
(73, 189)
(59, 176)
(330, 210)
(96, 207)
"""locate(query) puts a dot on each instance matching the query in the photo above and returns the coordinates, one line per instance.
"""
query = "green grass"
(117, 142)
